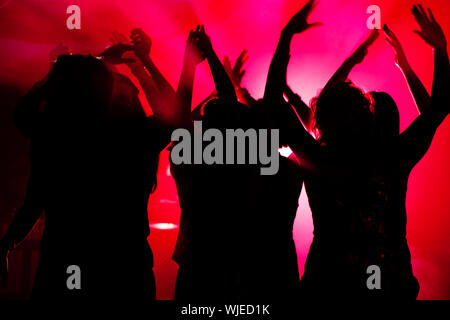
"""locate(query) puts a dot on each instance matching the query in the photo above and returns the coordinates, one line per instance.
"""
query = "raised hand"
(299, 22)
(391, 38)
(194, 54)
(430, 31)
(141, 43)
(203, 42)
(236, 73)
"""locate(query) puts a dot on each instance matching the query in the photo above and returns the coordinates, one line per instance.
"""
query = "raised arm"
(415, 141)
(236, 73)
(341, 75)
(304, 146)
(141, 45)
(276, 77)
(192, 57)
(224, 85)
(416, 87)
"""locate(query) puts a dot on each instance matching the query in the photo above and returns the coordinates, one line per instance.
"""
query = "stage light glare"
(163, 226)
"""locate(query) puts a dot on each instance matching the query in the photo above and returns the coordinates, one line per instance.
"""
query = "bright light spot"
(163, 226)
(285, 151)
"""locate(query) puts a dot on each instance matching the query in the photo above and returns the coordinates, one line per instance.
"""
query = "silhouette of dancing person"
(399, 155)
(382, 226)
(212, 197)
(94, 157)
(334, 168)
(341, 179)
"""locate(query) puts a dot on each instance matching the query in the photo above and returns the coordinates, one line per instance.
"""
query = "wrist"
(209, 53)
(145, 58)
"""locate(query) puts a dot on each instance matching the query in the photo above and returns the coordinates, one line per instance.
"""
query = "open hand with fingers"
(299, 22)
(430, 31)
(236, 73)
(203, 42)
(194, 53)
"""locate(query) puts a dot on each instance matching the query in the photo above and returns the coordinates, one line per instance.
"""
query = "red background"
(29, 29)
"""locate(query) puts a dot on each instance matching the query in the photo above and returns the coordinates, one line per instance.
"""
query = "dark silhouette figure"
(235, 240)
(335, 172)
(94, 157)
(270, 268)
(213, 198)
(356, 177)
(388, 247)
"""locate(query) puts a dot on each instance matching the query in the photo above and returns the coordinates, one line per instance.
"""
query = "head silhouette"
(79, 87)
(387, 117)
(342, 115)
(218, 114)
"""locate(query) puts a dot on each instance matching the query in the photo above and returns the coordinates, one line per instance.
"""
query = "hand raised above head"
(299, 22)
(430, 31)
(237, 72)
(193, 52)
(203, 41)
(391, 38)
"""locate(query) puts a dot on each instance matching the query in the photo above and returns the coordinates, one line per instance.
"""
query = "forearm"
(184, 93)
(341, 75)
(416, 87)
(276, 78)
(415, 141)
(162, 108)
(441, 82)
(224, 85)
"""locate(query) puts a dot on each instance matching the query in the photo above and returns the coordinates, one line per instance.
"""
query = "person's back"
(270, 264)
(214, 219)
